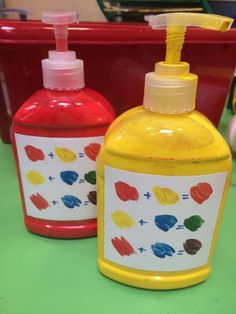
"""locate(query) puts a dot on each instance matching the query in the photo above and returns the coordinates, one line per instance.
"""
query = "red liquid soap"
(56, 136)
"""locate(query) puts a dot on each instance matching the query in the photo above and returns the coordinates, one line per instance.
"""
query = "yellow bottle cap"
(171, 88)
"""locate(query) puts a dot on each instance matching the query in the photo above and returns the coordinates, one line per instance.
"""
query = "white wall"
(88, 9)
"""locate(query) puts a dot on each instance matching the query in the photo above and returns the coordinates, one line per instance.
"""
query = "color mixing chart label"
(160, 223)
(58, 176)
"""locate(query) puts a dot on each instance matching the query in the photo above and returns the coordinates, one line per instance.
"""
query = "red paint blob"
(123, 247)
(39, 201)
(201, 192)
(33, 153)
(126, 192)
(92, 150)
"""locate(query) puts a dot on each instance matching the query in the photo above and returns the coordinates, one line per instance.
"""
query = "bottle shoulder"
(66, 108)
(144, 134)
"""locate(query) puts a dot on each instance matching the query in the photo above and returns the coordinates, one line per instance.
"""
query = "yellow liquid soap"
(145, 142)
(163, 176)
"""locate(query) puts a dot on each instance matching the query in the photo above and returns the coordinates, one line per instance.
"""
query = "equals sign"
(81, 181)
(180, 252)
(185, 196)
(81, 155)
(180, 227)
(86, 203)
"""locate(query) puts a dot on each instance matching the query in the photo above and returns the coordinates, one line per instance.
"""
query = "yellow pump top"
(171, 88)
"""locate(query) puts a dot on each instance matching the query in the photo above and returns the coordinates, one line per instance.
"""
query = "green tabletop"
(49, 276)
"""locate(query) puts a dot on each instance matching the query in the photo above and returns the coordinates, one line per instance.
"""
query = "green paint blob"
(194, 222)
(90, 177)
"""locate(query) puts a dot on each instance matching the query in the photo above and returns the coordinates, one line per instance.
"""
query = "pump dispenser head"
(62, 71)
(171, 88)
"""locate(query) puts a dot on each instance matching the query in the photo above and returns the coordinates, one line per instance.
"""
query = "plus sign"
(148, 195)
(54, 202)
(141, 249)
(50, 178)
(142, 222)
(51, 155)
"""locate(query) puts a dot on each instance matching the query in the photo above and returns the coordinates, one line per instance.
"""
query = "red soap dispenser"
(56, 136)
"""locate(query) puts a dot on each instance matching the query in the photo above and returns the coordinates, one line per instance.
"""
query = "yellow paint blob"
(65, 154)
(165, 196)
(122, 219)
(35, 177)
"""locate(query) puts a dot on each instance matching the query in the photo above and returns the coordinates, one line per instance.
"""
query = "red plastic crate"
(116, 56)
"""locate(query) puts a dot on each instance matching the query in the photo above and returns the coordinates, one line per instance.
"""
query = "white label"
(58, 176)
(160, 223)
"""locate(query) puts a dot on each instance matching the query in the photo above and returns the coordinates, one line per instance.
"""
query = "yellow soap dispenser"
(163, 176)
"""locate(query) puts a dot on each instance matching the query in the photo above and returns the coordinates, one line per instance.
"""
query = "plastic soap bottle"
(163, 176)
(56, 136)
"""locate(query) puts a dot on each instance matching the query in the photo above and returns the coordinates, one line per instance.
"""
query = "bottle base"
(62, 229)
(153, 282)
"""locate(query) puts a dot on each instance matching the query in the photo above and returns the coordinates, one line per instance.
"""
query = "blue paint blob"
(69, 177)
(71, 201)
(162, 249)
(165, 222)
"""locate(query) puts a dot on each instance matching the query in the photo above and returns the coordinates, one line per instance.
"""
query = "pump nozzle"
(176, 23)
(171, 88)
(62, 71)
(60, 22)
